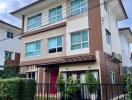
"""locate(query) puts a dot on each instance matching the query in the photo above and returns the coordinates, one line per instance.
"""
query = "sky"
(7, 6)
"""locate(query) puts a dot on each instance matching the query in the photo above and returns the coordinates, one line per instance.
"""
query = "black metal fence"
(81, 92)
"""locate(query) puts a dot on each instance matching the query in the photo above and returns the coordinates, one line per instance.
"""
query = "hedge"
(17, 89)
(9, 72)
(28, 89)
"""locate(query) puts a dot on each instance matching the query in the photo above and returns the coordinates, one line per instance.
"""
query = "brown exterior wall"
(106, 66)
(95, 31)
(13, 62)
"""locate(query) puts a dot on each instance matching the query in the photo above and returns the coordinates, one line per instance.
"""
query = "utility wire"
(88, 9)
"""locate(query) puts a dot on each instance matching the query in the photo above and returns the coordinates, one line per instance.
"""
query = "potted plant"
(92, 86)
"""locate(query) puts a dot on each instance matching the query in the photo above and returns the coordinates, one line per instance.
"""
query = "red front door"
(53, 79)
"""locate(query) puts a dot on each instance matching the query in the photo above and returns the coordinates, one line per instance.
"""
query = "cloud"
(2, 6)
(7, 6)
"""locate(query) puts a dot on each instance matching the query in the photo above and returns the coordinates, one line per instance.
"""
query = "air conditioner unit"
(116, 57)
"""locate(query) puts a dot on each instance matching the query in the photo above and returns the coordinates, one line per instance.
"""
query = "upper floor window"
(55, 14)
(131, 56)
(33, 48)
(108, 37)
(78, 6)
(55, 44)
(106, 5)
(9, 35)
(8, 55)
(34, 21)
(79, 40)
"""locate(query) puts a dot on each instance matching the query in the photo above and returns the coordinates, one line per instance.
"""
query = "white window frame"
(8, 52)
(80, 8)
(10, 35)
(27, 75)
(81, 40)
(113, 77)
(35, 50)
(108, 37)
(56, 43)
(40, 21)
(56, 15)
(106, 5)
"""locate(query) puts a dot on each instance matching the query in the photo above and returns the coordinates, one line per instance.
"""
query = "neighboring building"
(9, 44)
(126, 39)
(64, 36)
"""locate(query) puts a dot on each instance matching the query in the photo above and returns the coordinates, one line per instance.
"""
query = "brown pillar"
(95, 31)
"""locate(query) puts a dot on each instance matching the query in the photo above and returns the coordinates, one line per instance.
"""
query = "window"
(80, 75)
(108, 37)
(78, 6)
(106, 5)
(131, 56)
(55, 44)
(33, 48)
(31, 75)
(113, 80)
(55, 14)
(79, 40)
(34, 21)
(8, 55)
(9, 35)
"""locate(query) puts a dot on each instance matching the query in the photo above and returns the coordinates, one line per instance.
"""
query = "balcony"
(11, 62)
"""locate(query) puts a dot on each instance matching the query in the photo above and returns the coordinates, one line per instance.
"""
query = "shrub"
(72, 85)
(129, 85)
(28, 88)
(69, 87)
(9, 72)
(9, 88)
(91, 82)
(17, 89)
(60, 84)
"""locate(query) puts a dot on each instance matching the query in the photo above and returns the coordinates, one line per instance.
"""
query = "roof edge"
(123, 8)
(28, 6)
(39, 1)
(126, 28)
(3, 22)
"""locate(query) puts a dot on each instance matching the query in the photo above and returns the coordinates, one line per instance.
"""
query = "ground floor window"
(31, 75)
(80, 75)
(113, 79)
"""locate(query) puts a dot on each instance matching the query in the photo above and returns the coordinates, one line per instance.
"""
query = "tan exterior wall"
(45, 9)
(44, 44)
(74, 24)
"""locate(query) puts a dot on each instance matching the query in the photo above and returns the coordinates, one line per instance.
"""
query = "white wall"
(73, 25)
(13, 45)
(125, 51)
(109, 22)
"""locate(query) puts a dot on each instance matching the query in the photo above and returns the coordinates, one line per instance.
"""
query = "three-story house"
(71, 37)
